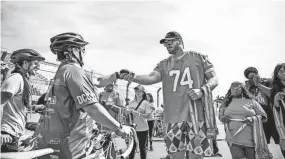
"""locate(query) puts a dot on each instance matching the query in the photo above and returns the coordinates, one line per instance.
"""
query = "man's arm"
(98, 113)
(10, 87)
(265, 90)
(86, 98)
(212, 80)
(209, 72)
(152, 78)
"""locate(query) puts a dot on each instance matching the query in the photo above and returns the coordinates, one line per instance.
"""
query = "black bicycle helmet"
(25, 54)
(61, 41)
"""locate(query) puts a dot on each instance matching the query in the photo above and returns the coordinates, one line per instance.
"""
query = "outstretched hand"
(124, 71)
(127, 75)
(256, 80)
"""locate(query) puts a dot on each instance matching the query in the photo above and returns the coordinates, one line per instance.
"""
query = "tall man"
(188, 78)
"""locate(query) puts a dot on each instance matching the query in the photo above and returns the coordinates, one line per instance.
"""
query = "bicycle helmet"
(25, 54)
(61, 41)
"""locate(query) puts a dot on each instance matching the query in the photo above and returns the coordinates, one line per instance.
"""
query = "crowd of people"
(253, 114)
(252, 111)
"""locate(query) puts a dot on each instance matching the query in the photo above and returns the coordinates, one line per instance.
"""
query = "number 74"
(185, 79)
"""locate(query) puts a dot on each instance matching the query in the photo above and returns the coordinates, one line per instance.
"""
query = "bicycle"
(158, 128)
(27, 155)
(104, 145)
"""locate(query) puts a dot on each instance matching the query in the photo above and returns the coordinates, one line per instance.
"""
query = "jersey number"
(185, 80)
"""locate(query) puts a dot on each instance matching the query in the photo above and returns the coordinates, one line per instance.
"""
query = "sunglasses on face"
(235, 88)
(138, 90)
(169, 41)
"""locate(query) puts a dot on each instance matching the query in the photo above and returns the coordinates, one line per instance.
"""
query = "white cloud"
(126, 34)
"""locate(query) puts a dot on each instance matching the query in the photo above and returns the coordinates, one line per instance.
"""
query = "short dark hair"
(249, 70)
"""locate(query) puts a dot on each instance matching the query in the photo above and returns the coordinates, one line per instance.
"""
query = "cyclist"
(16, 97)
(71, 99)
(184, 75)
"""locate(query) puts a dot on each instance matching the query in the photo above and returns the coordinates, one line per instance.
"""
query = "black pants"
(150, 131)
(269, 126)
(142, 137)
(215, 146)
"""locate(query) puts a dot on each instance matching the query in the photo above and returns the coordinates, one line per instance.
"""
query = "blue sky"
(234, 34)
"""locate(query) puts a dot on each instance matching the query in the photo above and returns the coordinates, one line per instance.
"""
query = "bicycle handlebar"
(128, 150)
(27, 155)
(121, 156)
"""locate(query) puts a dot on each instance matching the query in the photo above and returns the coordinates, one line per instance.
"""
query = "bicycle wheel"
(27, 155)
(110, 146)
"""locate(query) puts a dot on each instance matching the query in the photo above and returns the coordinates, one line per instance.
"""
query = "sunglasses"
(169, 41)
(138, 90)
(236, 88)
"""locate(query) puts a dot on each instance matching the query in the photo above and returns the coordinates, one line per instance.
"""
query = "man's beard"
(175, 49)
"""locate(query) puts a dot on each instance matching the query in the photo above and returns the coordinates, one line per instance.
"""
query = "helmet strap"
(80, 59)
(25, 72)
(69, 55)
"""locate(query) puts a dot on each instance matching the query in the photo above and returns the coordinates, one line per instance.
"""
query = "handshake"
(125, 75)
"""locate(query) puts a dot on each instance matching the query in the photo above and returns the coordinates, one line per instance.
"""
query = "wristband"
(202, 90)
(119, 128)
